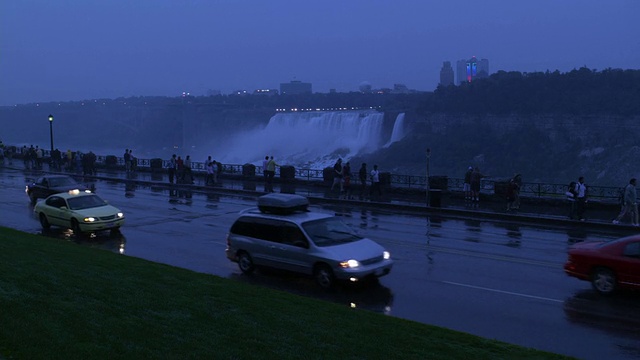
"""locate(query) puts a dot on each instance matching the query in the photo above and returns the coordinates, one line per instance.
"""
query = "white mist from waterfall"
(398, 130)
(307, 139)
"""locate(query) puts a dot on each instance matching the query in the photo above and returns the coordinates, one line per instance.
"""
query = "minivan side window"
(258, 228)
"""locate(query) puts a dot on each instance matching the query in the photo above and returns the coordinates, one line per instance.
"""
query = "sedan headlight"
(89, 219)
(349, 264)
(120, 215)
(386, 255)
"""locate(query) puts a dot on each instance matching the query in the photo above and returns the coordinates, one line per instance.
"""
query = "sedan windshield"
(329, 231)
(85, 202)
(62, 181)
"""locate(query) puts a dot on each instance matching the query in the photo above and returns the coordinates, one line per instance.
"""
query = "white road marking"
(504, 292)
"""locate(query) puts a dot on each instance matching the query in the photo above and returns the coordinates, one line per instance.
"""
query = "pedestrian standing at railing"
(127, 160)
(346, 174)
(571, 198)
(337, 176)
(215, 168)
(362, 174)
(186, 175)
(467, 184)
(475, 178)
(172, 168)
(271, 172)
(581, 198)
(265, 172)
(133, 160)
(629, 204)
(375, 181)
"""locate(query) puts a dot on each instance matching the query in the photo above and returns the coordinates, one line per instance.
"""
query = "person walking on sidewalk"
(629, 204)
(581, 198)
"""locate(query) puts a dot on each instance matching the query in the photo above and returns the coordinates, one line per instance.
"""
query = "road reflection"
(368, 295)
(617, 314)
(113, 241)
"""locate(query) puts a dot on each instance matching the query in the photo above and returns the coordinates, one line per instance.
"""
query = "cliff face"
(543, 148)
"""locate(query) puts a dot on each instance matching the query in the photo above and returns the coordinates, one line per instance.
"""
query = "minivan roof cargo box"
(282, 203)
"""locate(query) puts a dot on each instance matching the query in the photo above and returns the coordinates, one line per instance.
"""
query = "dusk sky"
(67, 50)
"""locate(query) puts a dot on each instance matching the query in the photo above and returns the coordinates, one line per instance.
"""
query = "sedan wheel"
(245, 263)
(324, 276)
(603, 281)
(44, 222)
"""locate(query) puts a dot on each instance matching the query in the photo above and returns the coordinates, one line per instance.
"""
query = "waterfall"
(309, 139)
(398, 130)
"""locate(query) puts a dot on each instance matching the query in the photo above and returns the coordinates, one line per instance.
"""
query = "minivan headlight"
(349, 264)
(386, 255)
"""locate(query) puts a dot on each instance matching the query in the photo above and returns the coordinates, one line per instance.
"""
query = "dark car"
(52, 184)
(607, 265)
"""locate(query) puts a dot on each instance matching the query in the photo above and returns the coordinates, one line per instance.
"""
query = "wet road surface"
(497, 280)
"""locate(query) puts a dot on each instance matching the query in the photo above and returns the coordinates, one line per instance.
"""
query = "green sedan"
(80, 211)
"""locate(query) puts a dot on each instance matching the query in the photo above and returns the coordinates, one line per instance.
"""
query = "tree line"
(577, 92)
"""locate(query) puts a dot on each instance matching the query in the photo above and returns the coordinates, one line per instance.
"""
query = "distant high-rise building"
(446, 74)
(467, 70)
(295, 87)
(483, 68)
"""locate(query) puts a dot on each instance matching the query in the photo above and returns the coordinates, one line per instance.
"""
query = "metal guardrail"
(396, 180)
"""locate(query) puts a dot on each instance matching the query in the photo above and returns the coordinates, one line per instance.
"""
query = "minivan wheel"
(44, 222)
(245, 263)
(603, 281)
(324, 276)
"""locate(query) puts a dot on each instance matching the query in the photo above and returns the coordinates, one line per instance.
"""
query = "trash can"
(435, 198)
(287, 173)
(439, 182)
(155, 164)
(248, 171)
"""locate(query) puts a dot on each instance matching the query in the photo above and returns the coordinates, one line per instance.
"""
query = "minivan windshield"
(329, 231)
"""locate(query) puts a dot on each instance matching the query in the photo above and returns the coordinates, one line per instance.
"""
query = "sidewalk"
(536, 210)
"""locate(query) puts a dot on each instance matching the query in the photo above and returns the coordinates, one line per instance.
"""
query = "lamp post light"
(428, 185)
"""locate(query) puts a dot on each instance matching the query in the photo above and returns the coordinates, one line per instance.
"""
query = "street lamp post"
(51, 131)
(428, 185)
(51, 138)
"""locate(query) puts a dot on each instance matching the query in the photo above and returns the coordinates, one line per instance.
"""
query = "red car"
(607, 265)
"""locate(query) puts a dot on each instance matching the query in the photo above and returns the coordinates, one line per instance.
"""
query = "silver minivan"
(285, 236)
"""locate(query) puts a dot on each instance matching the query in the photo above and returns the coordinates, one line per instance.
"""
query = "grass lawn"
(63, 301)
